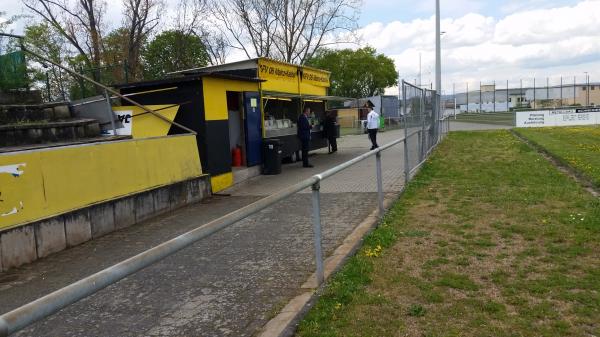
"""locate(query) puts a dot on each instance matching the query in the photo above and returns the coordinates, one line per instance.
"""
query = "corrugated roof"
(239, 65)
(190, 78)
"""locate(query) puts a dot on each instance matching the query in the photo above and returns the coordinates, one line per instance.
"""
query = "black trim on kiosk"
(212, 136)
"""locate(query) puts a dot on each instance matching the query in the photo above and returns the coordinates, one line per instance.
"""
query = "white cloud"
(540, 42)
(549, 25)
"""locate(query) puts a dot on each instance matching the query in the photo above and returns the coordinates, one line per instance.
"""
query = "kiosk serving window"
(281, 115)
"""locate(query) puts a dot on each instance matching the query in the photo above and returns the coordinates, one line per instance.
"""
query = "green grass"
(578, 147)
(488, 240)
(497, 118)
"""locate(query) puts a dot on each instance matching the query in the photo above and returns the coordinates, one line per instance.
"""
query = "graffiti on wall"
(15, 170)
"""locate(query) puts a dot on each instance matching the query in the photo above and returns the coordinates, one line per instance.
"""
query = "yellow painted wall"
(215, 95)
(291, 79)
(279, 76)
(144, 125)
(314, 82)
(43, 183)
(221, 182)
(310, 89)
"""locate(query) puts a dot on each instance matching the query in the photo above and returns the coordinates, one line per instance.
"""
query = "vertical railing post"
(126, 69)
(419, 140)
(316, 205)
(379, 183)
(111, 114)
(81, 83)
(48, 86)
(406, 162)
(423, 134)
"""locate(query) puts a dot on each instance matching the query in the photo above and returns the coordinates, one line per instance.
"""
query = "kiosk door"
(253, 128)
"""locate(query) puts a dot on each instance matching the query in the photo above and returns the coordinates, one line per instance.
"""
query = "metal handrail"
(47, 305)
(114, 92)
(125, 95)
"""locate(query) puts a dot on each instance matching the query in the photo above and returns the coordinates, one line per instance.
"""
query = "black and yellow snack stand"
(239, 105)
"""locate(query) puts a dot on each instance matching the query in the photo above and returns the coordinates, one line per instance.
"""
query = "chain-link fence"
(424, 125)
(523, 94)
(356, 124)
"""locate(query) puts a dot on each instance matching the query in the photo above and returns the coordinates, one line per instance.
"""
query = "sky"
(484, 40)
(487, 41)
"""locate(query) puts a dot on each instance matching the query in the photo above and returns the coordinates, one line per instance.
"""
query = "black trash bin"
(272, 156)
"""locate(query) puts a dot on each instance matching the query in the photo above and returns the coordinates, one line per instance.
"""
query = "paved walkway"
(229, 284)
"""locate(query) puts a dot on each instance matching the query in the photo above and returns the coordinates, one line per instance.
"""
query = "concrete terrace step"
(59, 144)
(10, 114)
(48, 132)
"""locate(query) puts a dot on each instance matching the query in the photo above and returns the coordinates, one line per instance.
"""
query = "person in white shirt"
(372, 126)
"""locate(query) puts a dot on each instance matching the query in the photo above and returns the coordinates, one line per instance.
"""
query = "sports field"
(578, 147)
(497, 118)
(490, 239)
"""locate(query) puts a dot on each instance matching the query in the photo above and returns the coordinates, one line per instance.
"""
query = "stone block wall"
(27, 243)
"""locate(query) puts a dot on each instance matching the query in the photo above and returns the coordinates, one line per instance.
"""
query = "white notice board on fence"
(562, 117)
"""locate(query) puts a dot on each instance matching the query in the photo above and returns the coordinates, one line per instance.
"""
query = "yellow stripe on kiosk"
(141, 124)
(221, 182)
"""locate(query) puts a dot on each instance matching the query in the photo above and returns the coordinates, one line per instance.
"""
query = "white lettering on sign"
(126, 118)
(563, 117)
(276, 71)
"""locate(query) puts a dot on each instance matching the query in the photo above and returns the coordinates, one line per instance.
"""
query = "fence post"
(110, 113)
(406, 162)
(422, 132)
(420, 146)
(126, 70)
(48, 86)
(81, 84)
(316, 205)
(379, 184)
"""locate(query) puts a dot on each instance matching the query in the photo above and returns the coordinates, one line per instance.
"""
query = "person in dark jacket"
(304, 128)
(330, 131)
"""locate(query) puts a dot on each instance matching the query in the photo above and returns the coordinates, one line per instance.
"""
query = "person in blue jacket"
(304, 128)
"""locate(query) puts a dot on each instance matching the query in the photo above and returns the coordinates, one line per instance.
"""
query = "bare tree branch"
(141, 18)
(288, 30)
(78, 21)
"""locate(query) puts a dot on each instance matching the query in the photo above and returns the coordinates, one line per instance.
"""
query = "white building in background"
(501, 100)
(555, 96)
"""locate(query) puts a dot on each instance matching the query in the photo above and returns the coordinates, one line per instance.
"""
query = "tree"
(114, 47)
(79, 22)
(44, 40)
(141, 18)
(288, 30)
(173, 50)
(194, 18)
(5, 22)
(13, 69)
(360, 73)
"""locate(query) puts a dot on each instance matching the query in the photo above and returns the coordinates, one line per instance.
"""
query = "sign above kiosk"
(274, 75)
